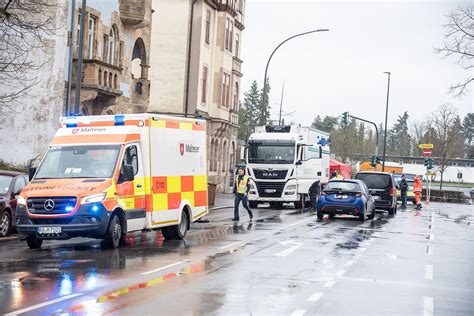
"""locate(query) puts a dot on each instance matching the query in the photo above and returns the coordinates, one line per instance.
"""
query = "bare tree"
(459, 43)
(442, 122)
(24, 29)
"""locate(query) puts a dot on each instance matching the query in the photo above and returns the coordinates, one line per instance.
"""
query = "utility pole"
(71, 52)
(77, 100)
(281, 103)
(386, 119)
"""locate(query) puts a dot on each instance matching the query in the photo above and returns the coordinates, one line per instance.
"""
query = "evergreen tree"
(249, 111)
(263, 110)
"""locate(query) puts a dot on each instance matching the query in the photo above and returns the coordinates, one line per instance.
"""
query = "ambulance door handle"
(139, 186)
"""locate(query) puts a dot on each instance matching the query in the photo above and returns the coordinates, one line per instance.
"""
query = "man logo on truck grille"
(48, 205)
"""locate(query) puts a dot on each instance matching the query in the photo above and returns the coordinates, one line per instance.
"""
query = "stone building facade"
(196, 71)
(115, 57)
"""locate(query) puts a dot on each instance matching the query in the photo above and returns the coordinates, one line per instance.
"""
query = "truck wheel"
(5, 224)
(114, 235)
(34, 242)
(299, 204)
(253, 204)
(177, 232)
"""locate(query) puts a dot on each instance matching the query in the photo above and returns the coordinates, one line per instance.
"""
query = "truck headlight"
(21, 201)
(291, 187)
(96, 198)
(252, 186)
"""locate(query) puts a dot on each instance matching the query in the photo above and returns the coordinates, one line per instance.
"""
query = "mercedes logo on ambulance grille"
(48, 205)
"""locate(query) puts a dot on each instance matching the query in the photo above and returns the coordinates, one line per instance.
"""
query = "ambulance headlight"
(21, 201)
(96, 198)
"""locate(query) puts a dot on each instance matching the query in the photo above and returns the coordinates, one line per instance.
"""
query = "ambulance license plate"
(49, 230)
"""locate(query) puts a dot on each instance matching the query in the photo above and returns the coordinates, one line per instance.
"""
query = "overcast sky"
(342, 70)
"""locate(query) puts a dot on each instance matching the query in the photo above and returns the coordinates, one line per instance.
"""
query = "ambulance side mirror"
(126, 174)
(31, 173)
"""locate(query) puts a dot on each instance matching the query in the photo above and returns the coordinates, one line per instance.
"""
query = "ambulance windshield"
(271, 152)
(91, 161)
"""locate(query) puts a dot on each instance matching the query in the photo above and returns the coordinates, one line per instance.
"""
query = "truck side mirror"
(126, 174)
(299, 163)
(31, 173)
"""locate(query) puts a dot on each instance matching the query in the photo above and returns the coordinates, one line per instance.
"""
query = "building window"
(225, 89)
(110, 80)
(100, 76)
(105, 48)
(91, 37)
(115, 81)
(204, 85)
(105, 78)
(237, 44)
(208, 26)
(224, 156)
(120, 54)
(236, 97)
(112, 46)
(228, 36)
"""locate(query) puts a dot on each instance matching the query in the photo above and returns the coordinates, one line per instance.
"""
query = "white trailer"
(286, 164)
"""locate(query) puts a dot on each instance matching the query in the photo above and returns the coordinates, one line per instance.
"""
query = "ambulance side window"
(130, 158)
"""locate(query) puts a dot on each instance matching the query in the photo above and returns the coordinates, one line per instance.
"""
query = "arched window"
(219, 154)
(115, 81)
(105, 78)
(109, 112)
(110, 80)
(225, 153)
(113, 38)
(100, 76)
(139, 60)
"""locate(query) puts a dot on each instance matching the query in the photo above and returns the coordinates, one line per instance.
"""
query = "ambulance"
(106, 176)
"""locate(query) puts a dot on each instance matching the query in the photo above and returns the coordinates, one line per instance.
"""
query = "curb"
(9, 238)
(220, 208)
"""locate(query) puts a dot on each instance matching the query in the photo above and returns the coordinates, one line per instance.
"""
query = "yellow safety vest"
(242, 186)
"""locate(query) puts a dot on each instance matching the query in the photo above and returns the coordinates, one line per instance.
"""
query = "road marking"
(31, 308)
(234, 244)
(288, 251)
(432, 217)
(429, 272)
(428, 306)
(298, 312)
(429, 249)
(297, 223)
(329, 284)
(431, 237)
(349, 263)
(340, 273)
(163, 268)
(315, 297)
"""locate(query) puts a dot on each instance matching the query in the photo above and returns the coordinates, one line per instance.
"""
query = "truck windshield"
(96, 161)
(274, 152)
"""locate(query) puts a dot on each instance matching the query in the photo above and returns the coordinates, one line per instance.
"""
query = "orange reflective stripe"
(171, 124)
(106, 138)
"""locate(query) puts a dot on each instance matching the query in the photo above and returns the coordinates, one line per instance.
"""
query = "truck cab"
(286, 164)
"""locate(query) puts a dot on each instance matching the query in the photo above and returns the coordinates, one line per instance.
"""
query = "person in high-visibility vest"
(241, 190)
(417, 189)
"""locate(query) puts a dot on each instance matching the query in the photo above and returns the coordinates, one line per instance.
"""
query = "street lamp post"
(264, 96)
(386, 119)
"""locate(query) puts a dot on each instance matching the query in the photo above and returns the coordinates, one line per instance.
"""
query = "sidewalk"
(222, 201)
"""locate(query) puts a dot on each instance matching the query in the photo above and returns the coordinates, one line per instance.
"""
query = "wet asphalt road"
(285, 262)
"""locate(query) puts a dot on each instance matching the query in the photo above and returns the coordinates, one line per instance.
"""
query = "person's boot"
(251, 215)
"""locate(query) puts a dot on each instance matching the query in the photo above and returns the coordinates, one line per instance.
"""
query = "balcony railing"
(132, 12)
(237, 66)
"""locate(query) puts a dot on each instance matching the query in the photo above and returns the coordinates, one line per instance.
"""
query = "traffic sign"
(426, 146)
(426, 152)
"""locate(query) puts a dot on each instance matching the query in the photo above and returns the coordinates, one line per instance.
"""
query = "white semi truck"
(286, 164)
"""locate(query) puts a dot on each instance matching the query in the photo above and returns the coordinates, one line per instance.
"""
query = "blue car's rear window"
(341, 185)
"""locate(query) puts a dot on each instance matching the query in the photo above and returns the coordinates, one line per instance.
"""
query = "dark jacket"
(403, 185)
(240, 179)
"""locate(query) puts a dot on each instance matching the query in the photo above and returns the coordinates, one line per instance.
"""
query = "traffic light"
(373, 161)
(429, 163)
(345, 118)
(378, 160)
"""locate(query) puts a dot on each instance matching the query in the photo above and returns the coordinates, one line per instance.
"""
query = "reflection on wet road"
(285, 261)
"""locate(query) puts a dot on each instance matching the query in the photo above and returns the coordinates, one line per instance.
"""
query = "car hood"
(65, 187)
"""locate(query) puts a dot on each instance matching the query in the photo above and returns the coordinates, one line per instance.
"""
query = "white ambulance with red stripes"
(105, 176)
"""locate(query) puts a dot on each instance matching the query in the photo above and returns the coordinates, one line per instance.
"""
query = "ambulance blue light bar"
(71, 122)
(119, 120)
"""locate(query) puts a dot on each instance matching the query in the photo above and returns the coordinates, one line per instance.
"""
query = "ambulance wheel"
(177, 232)
(34, 242)
(253, 204)
(114, 235)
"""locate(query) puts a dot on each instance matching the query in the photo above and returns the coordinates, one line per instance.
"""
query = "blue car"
(346, 197)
